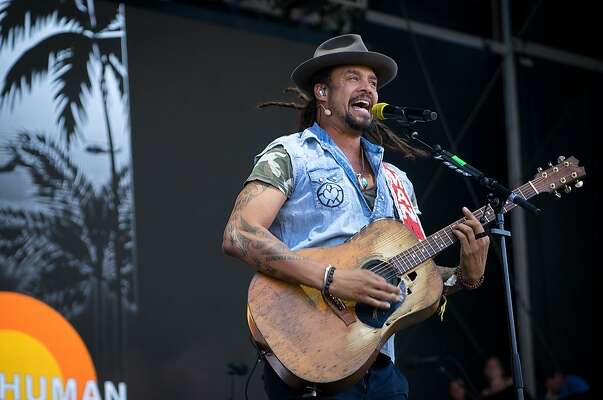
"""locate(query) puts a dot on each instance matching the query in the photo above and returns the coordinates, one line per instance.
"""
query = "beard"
(360, 126)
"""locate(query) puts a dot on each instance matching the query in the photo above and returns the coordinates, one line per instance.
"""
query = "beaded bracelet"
(459, 274)
(328, 279)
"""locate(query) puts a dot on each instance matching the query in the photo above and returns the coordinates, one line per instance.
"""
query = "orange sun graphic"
(37, 346)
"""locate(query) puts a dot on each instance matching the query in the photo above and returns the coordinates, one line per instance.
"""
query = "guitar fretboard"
(444, 238)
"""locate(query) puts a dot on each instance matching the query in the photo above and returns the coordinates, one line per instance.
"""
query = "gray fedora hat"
(344, 50)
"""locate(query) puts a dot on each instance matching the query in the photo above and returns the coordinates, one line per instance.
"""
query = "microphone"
(383, 111)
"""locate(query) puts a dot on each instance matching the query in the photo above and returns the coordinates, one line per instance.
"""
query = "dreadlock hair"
(378, 132)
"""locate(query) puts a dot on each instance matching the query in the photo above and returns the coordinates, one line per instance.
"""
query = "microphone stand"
(497, 198)
(454, 162)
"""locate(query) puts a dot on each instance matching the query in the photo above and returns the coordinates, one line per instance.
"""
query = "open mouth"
(361, 106)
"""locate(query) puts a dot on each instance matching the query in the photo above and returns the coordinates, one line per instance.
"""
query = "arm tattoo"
(250, 192)
(256, 244)
(284, 257)
(233, 234)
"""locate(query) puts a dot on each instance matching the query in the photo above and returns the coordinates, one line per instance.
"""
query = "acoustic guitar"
(328, 343)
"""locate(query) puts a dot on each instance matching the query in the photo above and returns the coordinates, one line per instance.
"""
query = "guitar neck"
(444, 238)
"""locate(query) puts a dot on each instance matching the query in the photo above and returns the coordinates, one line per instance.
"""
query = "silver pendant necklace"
(362, 181)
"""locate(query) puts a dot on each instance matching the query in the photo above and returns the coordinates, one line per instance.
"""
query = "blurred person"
(566, 386)
(457, 389)
(500, 386)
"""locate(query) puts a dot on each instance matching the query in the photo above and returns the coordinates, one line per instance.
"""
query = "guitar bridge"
(337, 302)
(340, 309)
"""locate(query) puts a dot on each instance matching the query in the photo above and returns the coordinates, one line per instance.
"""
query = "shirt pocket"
(329, 188)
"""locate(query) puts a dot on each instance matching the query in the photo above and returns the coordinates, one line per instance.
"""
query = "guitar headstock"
(559, 177)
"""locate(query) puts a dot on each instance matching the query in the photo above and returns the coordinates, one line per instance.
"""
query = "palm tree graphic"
(86, 48)
(56, 252)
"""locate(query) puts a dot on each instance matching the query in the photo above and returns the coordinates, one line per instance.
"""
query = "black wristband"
(328, 279)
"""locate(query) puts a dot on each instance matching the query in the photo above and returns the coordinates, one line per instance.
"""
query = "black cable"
(474, 112)
(467, 330)
(257, 361)
(434, 96)
(536, 328)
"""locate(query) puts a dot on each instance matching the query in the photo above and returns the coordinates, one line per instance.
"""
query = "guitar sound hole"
(383, 269)
(376, 317)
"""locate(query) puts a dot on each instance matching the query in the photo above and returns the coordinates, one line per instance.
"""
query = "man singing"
(322, 185)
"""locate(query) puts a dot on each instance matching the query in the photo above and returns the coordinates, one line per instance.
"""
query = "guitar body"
(310, 343)
(307, 343)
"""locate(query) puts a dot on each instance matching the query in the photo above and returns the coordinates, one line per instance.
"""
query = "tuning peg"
(579, 184)
(539, 169)
(560, 159)
(567, 189)
(557, 194)
(550, 164)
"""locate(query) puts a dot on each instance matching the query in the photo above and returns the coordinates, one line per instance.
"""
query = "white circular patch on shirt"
(330, 194)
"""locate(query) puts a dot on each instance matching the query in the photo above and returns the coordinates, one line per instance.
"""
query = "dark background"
(197, 72)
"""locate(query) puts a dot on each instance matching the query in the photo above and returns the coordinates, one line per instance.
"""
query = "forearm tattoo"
(255, 244)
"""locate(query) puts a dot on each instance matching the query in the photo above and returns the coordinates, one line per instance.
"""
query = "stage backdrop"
(67, 269)
(196, 78)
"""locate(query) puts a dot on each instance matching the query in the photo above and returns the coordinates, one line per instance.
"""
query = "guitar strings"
(405, 256)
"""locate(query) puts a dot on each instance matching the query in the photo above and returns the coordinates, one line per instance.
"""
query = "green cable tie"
(459, 161)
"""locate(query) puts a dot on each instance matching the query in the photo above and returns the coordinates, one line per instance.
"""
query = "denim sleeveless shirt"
(326, 206)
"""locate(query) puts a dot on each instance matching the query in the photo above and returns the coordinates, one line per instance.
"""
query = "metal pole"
(464, 39)
(520, 249)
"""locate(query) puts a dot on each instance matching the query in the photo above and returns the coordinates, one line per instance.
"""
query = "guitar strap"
(407, 214)
(406, 211)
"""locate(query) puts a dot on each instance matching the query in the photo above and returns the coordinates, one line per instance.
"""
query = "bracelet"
(328, 279)
(459, 274)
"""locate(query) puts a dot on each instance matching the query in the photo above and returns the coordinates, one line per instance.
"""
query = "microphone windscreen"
(377, 110)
